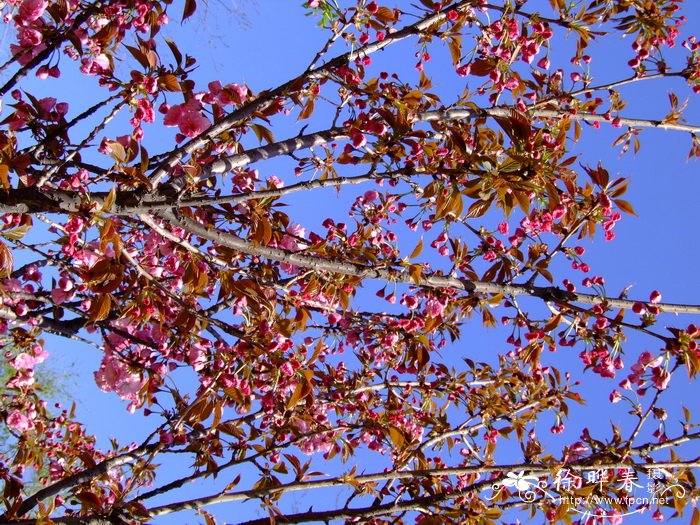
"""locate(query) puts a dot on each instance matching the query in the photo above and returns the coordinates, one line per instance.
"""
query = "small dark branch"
(87, 12)
(33, 200)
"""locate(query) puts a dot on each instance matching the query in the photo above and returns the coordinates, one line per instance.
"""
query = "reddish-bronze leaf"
(100, 308)
(189, 8)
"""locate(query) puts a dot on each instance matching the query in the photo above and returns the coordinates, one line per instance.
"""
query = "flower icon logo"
(520, 481)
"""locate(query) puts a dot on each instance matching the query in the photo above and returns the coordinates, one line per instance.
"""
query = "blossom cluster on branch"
(264, 347)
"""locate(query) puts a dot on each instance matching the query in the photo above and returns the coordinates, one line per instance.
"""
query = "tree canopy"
(284, 283)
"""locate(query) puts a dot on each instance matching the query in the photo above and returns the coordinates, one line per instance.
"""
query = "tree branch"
(85, 476)
(276, 149)
(130, 202)
(349, 480)
(549, 293)
(504, 112)
(268, 97)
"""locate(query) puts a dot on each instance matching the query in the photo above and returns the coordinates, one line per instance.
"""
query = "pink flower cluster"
(187, 117)
(321, 442)
(603, 364)
(24, 363)
(647, 368)
(228, 95)
(541, 221)
(29, 25)
(16, 420)
(610, 217)
(114, 375)
(293, 243)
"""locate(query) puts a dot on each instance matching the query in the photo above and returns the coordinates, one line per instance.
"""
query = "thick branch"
(504, 112)
(276, 149)
(530, 470)
(548, 293)
(130, 203)
(29, 200)
(68, 328)
(85, 476)
(268, 97)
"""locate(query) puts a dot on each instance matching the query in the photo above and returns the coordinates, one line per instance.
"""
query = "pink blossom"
(240, 91)
(96, 65)
(75, 225)
(287, 369)
(39, 354)
(489, 255)
(32, 273)
(275, 182)
(26, 54)
(18, 421)
(434, 308)
(115, 376)
(28, 37)
(576, 451)
(227, 96)
(371, 195)
(85, 259)
(197, 356)
(31, 10)
(173, 115)
(23, 361)
(22, 379)
(491, 436)
(464, 70)
(292, 244)
(166, 438)
(615, 517)
(410, 302)
(512, 83)
(615, 396)
(59, 296)
(358, 139)
(660, 377)
(55, 470)
(145, 111)
(190, 121)
(376, 127)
